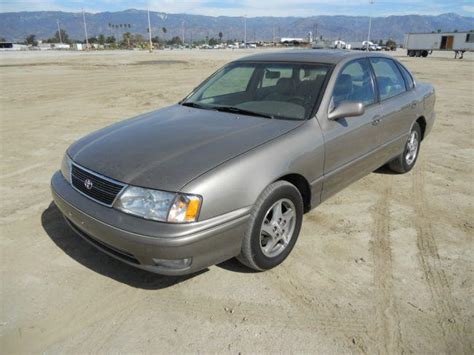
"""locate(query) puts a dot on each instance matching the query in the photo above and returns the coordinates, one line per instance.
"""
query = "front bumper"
(140, 242)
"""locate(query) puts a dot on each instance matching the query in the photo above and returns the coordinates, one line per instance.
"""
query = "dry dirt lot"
(386, 266)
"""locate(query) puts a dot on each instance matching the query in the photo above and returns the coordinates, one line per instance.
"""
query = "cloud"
(468, 8)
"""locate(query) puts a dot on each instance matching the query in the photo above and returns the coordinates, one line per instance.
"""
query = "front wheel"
(406, 161)
(274, 227)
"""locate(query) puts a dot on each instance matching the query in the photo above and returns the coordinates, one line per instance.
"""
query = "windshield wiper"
(242, 111)
(196, 105)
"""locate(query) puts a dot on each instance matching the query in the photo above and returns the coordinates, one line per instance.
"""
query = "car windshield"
(273, 90)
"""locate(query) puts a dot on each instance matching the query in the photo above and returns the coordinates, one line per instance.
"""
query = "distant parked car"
(231, 169)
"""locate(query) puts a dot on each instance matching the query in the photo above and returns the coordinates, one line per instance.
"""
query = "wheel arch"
(422, 123)
(303, 186)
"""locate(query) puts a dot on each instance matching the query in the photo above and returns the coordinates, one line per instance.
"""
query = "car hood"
(166, 149)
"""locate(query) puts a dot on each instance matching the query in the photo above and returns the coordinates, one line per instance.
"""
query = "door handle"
(376, 120)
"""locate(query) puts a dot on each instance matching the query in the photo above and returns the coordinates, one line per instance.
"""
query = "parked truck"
(423, 44)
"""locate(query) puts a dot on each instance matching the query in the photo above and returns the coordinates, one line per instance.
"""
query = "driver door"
(350, 143)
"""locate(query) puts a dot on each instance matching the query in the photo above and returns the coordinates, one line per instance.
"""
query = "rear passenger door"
(397, 106)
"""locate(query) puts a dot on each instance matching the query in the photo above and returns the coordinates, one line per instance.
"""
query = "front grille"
(94, 186)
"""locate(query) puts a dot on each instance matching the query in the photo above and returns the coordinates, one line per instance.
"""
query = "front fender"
(238, 182)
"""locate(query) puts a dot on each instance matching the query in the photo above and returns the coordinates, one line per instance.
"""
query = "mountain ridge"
(15, 26)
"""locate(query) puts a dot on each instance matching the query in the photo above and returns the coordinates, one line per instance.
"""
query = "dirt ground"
(386, 266)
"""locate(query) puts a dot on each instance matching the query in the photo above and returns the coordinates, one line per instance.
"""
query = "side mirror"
(347, 109)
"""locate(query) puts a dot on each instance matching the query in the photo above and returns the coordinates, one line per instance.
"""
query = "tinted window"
(354, 84)
(407, 76)
(389, 79)
(235, 80)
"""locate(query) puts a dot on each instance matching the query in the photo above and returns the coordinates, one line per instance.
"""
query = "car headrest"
(285, 86)
(343, 85)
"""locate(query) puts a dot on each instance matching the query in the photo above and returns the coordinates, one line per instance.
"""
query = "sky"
(252, 8)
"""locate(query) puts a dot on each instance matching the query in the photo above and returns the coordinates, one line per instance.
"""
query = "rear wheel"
(406, 161)
(274, 227)
(424, 54)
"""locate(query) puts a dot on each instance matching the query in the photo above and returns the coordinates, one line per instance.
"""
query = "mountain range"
(15, 26)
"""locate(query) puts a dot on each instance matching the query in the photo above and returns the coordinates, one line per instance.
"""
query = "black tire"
(418, 54)
(251, 254)
(424, 54)
(411, 53)
(400, 163)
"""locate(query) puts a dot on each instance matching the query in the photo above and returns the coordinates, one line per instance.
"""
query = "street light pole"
(149, 31)
(245, 30)
(370, 24)
(85, 28)
(182, 29)
(59, 33)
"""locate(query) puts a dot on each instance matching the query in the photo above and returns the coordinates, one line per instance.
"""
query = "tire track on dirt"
(387, 317)
(449, 318)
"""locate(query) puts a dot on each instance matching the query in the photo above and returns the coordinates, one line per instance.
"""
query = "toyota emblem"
(88, 184)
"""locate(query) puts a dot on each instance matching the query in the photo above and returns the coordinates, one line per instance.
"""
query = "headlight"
(159, 205)
(66, 167)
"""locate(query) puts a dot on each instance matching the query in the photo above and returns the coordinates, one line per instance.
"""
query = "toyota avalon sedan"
(230, 170)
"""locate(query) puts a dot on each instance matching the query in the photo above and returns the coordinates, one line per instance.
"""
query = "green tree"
(213, 41)
(56, 39)
(110, 40)
(391, 44)
(220, 37)
(127, 36)
(138, 38)
(101, 39)
(2, 39)
(31, 39)
(164, 30)
(176, 40)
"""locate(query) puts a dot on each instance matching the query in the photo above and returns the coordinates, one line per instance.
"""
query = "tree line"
(124, 39)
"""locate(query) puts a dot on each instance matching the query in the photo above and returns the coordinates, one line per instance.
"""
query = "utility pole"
(59, 32)
(85, 28)
(149, 31)
(370, 24)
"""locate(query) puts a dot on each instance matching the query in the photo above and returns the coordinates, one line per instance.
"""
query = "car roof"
(309, 56)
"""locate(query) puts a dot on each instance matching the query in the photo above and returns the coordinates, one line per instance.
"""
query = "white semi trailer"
(423, 44)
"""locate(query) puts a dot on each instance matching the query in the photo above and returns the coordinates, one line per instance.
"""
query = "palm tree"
(220, 37)
(164, 31)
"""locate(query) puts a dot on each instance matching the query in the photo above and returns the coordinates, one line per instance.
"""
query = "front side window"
(354, 84)
(389, 79)
(277, 90)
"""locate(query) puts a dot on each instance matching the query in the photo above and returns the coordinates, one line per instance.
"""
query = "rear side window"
(389, 79)
(354, 83)
(407, 76)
